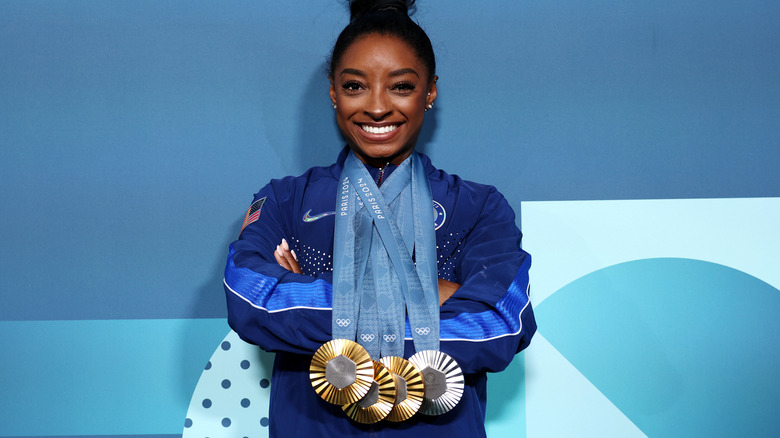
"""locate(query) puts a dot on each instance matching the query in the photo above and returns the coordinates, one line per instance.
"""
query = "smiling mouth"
(379, 129)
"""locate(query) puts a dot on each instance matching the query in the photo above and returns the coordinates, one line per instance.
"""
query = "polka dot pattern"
(448, 250)
(231, 397)
(312, 260)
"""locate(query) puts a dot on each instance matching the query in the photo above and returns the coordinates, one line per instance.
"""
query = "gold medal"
(443, 381)
(341, 371)
(410, 388)
(378, 402)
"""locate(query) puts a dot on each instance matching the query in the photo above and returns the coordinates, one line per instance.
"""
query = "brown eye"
(404, 87)
(351, 87)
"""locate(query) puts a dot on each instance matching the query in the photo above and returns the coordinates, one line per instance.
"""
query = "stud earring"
(334, 105)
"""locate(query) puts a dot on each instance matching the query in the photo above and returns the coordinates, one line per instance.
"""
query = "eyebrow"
(403, 71)
(394, 73)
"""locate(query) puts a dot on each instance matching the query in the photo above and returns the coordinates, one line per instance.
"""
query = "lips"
(377, 133)
(377, 143)
(378, 129)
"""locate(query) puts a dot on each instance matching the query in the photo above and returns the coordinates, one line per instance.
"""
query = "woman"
(279, 279)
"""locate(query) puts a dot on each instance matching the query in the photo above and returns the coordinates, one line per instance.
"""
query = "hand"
(287, 258)
(446, 289)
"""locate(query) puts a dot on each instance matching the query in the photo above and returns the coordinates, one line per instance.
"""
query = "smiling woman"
(381, 90)
(380, 279)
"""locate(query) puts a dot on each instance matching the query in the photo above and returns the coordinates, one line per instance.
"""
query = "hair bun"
(360, 7)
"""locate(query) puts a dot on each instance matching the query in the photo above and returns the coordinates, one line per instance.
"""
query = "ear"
(431, 97)
(332, 91)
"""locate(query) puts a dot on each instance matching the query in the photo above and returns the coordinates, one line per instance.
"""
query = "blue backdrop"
(133, 135)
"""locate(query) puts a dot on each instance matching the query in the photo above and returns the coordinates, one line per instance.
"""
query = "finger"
(290, 259)
(280, 258)
(290, 256)
(296, 267)
(446, 290)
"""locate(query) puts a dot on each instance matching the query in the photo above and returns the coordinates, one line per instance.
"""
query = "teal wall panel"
(101, 377)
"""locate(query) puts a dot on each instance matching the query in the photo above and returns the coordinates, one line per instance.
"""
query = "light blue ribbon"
(375, 281)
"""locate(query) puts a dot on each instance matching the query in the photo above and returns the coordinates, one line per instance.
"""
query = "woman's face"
(381, 89)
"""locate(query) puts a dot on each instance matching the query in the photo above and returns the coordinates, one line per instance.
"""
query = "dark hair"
(384, 17)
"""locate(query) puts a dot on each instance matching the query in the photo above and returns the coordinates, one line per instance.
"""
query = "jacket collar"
(338, 166)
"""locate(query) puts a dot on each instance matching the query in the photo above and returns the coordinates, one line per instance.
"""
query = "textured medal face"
(378, 402)
(410, 388)
(435, 383)
(443, 381)
(341, 372)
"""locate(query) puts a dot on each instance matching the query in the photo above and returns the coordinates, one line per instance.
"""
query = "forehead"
(378, 55)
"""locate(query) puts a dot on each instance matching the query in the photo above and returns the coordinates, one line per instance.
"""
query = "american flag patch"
(254, 212)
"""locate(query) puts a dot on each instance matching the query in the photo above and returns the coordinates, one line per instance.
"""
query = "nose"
(378, 106)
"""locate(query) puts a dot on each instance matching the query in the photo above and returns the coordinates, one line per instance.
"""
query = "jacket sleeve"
(489, 319)
(268, 305)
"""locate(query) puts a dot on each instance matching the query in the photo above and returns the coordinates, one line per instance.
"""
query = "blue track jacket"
(483, 325)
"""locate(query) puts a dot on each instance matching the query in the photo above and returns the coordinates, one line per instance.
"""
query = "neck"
(378, 162)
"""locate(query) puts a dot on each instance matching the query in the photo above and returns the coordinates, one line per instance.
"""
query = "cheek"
(342, 113)
(416, 106)
(415, 113)
(344, 123)
(346, 108)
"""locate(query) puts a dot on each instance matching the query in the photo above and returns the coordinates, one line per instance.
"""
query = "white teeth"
(379, 129)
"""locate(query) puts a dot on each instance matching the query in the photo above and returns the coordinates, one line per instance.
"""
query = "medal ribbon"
(375, 280)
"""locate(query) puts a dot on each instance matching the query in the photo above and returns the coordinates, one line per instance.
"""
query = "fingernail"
(285, 245)
(278, 250)
(294, 256)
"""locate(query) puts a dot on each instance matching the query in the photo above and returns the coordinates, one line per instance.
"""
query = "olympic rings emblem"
(366, 337)
(343, 322)
(389, 338)
(423, 330)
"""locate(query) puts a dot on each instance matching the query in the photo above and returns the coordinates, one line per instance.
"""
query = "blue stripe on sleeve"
(265, 292)
(506, 320)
